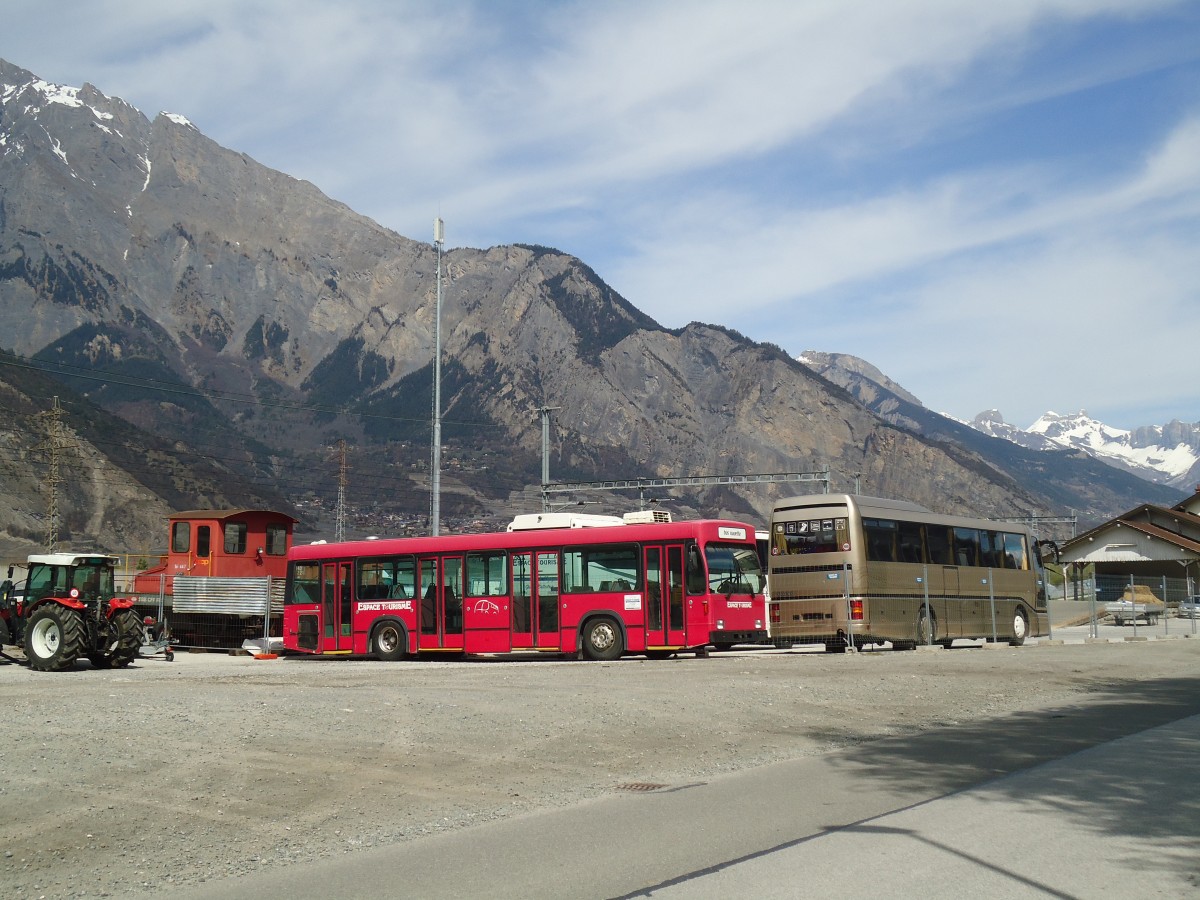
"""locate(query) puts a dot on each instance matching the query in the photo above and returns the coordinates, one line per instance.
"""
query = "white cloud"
(849, 177)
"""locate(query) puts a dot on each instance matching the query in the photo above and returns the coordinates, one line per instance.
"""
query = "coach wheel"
(387, 643)
(926, 627)
(602, 639)
(1020, 628)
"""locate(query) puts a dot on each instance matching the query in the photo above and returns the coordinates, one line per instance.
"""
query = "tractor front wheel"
(54, 638)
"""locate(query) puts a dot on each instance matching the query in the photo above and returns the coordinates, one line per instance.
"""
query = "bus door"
(535, 601)
(439, 585)
(663, 593)
(522, 593)
(337, 581)
(546, 628)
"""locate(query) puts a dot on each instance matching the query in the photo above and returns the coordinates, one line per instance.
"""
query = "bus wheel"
(387, 643)
(926, 627)
(1020, 628)
(836, 646)
(602, 639)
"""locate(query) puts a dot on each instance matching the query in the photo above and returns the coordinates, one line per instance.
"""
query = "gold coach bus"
(848, 571)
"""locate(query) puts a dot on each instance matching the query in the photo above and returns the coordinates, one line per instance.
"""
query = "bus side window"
(910, 545)
(937, 540)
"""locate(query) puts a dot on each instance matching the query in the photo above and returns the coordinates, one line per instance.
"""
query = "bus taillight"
(856, 610)
(775, 617)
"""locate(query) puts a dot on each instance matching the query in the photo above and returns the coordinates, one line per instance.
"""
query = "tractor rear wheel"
(54, 638)
(124, 638)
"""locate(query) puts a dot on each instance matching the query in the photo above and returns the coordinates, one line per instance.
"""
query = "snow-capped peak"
(1169, 454)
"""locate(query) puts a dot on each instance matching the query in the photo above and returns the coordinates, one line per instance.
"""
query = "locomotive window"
(276, 540)
(181, 537)
(235, 537)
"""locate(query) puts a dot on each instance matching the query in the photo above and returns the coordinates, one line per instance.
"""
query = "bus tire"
(926, 627)
(602, 639)
(388, 642)
(1020, 628)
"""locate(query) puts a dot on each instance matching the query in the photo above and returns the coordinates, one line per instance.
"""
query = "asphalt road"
(1090, 799)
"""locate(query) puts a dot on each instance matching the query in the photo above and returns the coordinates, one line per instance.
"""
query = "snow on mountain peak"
(1145, 451)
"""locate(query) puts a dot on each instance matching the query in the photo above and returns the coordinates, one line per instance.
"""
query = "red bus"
(546, 584)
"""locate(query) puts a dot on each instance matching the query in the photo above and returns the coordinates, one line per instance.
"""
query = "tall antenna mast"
(545, 413)
(53, 446)
(339, 524)
(435, 507)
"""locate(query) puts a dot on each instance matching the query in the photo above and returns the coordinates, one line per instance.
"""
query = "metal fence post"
(1166, 613)
(267, 619)
(1095, 622)
(992, 601)
(928, 615)
(846, 596)
(1133, 605)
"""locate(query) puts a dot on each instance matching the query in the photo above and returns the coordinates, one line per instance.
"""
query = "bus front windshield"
(733, 569)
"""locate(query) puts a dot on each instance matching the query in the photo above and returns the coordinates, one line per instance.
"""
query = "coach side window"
(881, 539)
(1014, 552)
(937, 541)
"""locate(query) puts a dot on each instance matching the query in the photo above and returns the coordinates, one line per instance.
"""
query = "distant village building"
(1149, 545)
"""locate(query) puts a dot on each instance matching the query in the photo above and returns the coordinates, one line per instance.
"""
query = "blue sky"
(998, 205)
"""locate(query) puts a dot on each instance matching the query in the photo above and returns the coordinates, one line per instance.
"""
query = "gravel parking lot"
(162, 774)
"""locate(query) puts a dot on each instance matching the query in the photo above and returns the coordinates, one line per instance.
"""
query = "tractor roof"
(72, 559)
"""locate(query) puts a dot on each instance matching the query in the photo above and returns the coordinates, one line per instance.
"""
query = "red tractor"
(66, 610)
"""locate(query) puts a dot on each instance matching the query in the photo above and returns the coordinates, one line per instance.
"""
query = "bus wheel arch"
(389, 640)
(601, 637)
(1020, 626)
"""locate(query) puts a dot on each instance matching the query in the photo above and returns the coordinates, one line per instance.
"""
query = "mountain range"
(218, 333)
(1165, 454)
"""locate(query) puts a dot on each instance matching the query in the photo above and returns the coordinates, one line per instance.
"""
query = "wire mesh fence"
(904, 606)
(218, 613)
(1115, 606)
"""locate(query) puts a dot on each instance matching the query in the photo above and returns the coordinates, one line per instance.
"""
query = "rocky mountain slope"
(246, 325)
